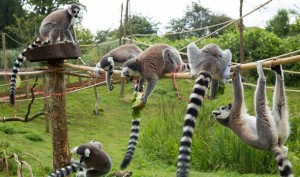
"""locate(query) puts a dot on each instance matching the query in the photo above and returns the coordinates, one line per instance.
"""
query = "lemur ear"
(111, 61)
(87, 152)
(74, 149)
(227, 55)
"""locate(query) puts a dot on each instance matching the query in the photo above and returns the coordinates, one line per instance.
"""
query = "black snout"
(216, 113)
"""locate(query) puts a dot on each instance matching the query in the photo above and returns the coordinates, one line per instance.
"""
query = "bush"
(33, 136)
(8, 130)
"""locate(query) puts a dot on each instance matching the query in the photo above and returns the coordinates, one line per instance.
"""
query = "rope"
(24, 45)
(181, 32)
(210, 34)
(177, 90)
(288, 90)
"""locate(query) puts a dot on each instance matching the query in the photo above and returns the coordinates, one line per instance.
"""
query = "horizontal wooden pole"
(269, 63)
(4, 73)
(117, 73)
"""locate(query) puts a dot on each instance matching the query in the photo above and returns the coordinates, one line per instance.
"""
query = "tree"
(9, 9)
(279, 24)
(294, 28)
(197, 16)
(46, 6)
(84, 35)
(142, 25)
(137, 24)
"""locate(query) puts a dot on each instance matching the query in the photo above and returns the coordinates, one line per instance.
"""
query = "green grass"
(161, 129)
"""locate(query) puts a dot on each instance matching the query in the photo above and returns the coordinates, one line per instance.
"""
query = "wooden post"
(122, 87)
(125, 22)
(46, 104)
(4, 52)
(26, 78)
(241, 30)
(55, 54)
(120, 29)
(96, 109)
(59, 127)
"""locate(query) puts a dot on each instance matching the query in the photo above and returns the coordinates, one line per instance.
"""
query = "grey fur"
(118, 55)
(266, 131)
(152, 64)
(206, 64)
(93, 160)
(58, 24)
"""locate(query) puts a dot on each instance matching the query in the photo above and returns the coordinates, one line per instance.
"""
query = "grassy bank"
(216, 151)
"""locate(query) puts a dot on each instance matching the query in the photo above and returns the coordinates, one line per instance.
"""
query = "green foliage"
(33, 136)
(8, 10)
(196, 16)
(279, 24)
(27, 29)
(142, 25)
(8, 130)
(84, 35)
(46, 7)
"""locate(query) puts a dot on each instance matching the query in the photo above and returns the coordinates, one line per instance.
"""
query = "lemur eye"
(73, 11)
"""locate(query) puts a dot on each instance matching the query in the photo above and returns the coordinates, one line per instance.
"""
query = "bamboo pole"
(246, 66)
(268, 63)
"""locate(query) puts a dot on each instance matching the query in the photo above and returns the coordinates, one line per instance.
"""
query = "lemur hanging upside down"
(268, 130)
(117, 55)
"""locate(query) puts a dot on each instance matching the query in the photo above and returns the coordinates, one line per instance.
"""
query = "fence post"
(46, 104)
(4, 52)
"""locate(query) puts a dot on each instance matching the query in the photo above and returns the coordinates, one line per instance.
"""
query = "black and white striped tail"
(16, 67)
(195, 103)
(134, 135)
(65, 171)
(284, 165)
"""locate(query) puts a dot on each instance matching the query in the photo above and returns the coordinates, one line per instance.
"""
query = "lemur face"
(222, 114)
(74, 10)
(127, 72)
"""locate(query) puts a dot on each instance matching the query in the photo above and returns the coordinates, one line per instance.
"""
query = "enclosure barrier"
(246, 66)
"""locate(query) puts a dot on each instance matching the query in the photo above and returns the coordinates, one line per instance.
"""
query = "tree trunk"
(59, 128)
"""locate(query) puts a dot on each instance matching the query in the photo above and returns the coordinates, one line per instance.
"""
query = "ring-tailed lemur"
(152, 64)
(206, 64)
(93, 160)
(119, 55)
(266, 131)
(134, 135)
(58, 24)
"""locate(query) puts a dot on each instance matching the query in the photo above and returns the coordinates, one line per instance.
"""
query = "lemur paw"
(111, 87)
(260, 69)
(277, 69)
(237, 70)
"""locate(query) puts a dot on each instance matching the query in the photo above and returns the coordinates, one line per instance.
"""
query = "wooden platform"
(62, 50)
